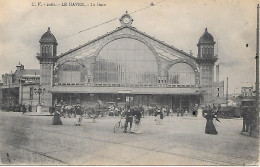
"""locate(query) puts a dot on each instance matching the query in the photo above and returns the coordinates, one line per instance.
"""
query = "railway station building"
(127, 65)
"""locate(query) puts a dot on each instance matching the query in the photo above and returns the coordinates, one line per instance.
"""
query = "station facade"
(127, 65)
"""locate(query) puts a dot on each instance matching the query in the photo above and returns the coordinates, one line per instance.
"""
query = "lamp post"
(39, 92)
(10, 103)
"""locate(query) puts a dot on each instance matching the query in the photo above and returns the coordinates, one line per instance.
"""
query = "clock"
(126, 20)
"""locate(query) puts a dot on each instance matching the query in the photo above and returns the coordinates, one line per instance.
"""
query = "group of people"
(58, 110)
(132, 114)
(24, 108)
(209, 113)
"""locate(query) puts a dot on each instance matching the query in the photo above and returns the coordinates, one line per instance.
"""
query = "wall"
(29, 96)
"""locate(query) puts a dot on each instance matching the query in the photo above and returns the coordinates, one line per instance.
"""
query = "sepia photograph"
(129, 82)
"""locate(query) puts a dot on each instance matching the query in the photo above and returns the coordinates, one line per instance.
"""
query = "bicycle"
(119, 125)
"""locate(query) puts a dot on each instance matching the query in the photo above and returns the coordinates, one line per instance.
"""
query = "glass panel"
(181, 73)
(71, 73)
(129, 61)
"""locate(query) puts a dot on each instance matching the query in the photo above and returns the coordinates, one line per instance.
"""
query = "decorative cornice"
(207, 60)
(45, 59)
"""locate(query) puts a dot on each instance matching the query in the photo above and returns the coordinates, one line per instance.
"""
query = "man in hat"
(79, 114)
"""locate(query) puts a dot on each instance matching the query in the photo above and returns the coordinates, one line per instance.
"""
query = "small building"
(18, 87)
(247, 91)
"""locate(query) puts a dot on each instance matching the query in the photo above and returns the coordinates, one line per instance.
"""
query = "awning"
(125, 90)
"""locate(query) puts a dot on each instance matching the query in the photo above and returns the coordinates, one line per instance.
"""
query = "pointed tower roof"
(206, 38)
(48, 37)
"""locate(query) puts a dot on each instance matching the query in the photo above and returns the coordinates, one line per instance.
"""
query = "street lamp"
(10, 103)
(39, 92)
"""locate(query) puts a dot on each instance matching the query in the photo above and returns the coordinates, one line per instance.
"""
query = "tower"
(206, 60)
(47, 58)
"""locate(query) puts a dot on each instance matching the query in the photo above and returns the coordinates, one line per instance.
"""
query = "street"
(32, 139)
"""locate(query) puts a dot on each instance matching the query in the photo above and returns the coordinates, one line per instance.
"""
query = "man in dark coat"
(182, 112)
(23, 109)
(137, 119)
(178, 111)
(128, 118)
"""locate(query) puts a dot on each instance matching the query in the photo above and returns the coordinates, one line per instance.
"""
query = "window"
(126, 61)
(70, 73)
(43, 49)
(46, 49)
(181, 73)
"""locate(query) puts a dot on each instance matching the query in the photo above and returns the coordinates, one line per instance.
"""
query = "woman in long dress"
(210, 128)
(56, 118)
(137, 121)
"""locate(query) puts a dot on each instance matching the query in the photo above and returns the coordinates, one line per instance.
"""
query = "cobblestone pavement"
(27, 140)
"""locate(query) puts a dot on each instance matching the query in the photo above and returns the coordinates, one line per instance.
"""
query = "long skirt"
(210, 128)
(136, 128)
(158, 120)
(56, 120)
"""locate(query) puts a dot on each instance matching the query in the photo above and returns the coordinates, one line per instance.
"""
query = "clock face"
(126, 20)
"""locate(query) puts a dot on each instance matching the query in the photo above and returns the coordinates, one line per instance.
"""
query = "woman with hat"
(210, 128)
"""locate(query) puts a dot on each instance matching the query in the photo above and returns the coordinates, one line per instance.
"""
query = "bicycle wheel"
(116, 127)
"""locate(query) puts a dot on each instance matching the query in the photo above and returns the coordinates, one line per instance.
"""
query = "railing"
(128, 85)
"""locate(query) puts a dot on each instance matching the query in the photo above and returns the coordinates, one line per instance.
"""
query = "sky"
(177, 22)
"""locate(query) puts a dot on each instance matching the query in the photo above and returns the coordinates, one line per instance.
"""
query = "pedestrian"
(168, 111)
(199, 112)
(210, 128)
(163, 110)
(186, 112)
(23, 109)
(29, 108)
(137, 121)
(56, 118)
(178, 111)
(159, 116)
(171, 112)
(181, 112)
(128, 118)
(79, 114)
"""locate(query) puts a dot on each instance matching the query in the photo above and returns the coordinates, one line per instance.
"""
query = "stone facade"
(47, 57)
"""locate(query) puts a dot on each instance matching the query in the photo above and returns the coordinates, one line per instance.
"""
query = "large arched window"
(126, 61)
(70, 73)
(182, 74)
